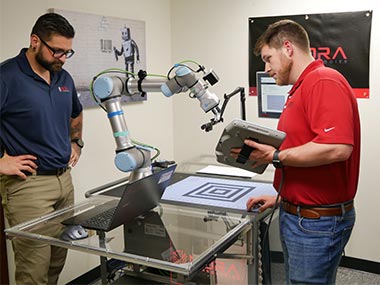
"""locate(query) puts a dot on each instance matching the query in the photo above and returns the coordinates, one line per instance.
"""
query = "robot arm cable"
(182, 63)
(158, 152)
(110, 71)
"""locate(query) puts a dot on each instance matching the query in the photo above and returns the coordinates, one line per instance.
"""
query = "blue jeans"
(313, 247)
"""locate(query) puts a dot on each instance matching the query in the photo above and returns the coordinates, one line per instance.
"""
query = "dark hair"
(282, 30)
(53, 24)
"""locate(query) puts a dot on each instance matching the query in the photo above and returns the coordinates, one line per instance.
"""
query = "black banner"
(341, 40)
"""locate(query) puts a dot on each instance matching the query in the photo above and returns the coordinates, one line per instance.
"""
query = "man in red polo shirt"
(317, 166)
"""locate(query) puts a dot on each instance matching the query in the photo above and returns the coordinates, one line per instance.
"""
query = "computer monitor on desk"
(271, 97)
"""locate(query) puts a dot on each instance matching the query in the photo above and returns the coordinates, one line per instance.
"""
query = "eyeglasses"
(58, 53)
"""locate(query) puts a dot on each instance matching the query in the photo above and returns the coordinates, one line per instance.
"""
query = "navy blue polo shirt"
(35, 116)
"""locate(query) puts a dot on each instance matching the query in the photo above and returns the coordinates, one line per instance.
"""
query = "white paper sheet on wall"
(227, 171)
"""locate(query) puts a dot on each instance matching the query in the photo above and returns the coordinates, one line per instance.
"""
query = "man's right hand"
(14, 165)
(264, 201)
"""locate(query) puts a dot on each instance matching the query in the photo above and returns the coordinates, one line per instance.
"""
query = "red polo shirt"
(321, 108)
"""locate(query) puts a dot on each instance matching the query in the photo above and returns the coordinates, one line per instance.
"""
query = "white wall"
(214, 33)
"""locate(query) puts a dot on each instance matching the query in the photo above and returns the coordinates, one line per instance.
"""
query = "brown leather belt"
(311, 212)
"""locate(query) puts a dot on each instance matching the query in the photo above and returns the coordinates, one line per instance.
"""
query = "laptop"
(137, 198)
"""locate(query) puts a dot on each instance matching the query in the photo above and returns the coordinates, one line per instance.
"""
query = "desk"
(181, 240)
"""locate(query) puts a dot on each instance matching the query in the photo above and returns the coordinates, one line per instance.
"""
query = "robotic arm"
(109, 89)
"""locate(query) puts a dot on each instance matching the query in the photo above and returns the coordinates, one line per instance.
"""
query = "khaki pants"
(36, 262)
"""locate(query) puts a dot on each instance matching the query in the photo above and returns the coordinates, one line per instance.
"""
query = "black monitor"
(271, 97)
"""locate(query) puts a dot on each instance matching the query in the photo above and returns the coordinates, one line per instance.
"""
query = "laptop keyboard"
(101, 220)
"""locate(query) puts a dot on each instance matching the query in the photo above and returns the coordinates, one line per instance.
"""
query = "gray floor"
(345, 276)
(348, 276)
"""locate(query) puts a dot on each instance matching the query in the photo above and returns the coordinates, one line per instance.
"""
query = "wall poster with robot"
(341, 40)
(101, 43)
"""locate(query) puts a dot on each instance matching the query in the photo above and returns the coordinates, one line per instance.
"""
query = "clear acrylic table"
(172, 243)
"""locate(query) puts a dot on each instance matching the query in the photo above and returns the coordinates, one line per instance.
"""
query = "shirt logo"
(63, 89)
(328, 129)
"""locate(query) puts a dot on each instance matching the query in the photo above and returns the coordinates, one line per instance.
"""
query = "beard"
(54, 66)
(284, 74)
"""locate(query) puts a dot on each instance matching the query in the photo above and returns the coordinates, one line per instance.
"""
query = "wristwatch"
(276, 160)
(78, 141)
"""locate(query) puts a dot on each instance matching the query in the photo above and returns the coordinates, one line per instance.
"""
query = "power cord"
(275, 203)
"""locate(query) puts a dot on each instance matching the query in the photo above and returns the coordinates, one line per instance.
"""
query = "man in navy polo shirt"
(40, 139)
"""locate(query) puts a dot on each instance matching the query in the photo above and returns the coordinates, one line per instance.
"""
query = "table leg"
(103, 259)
